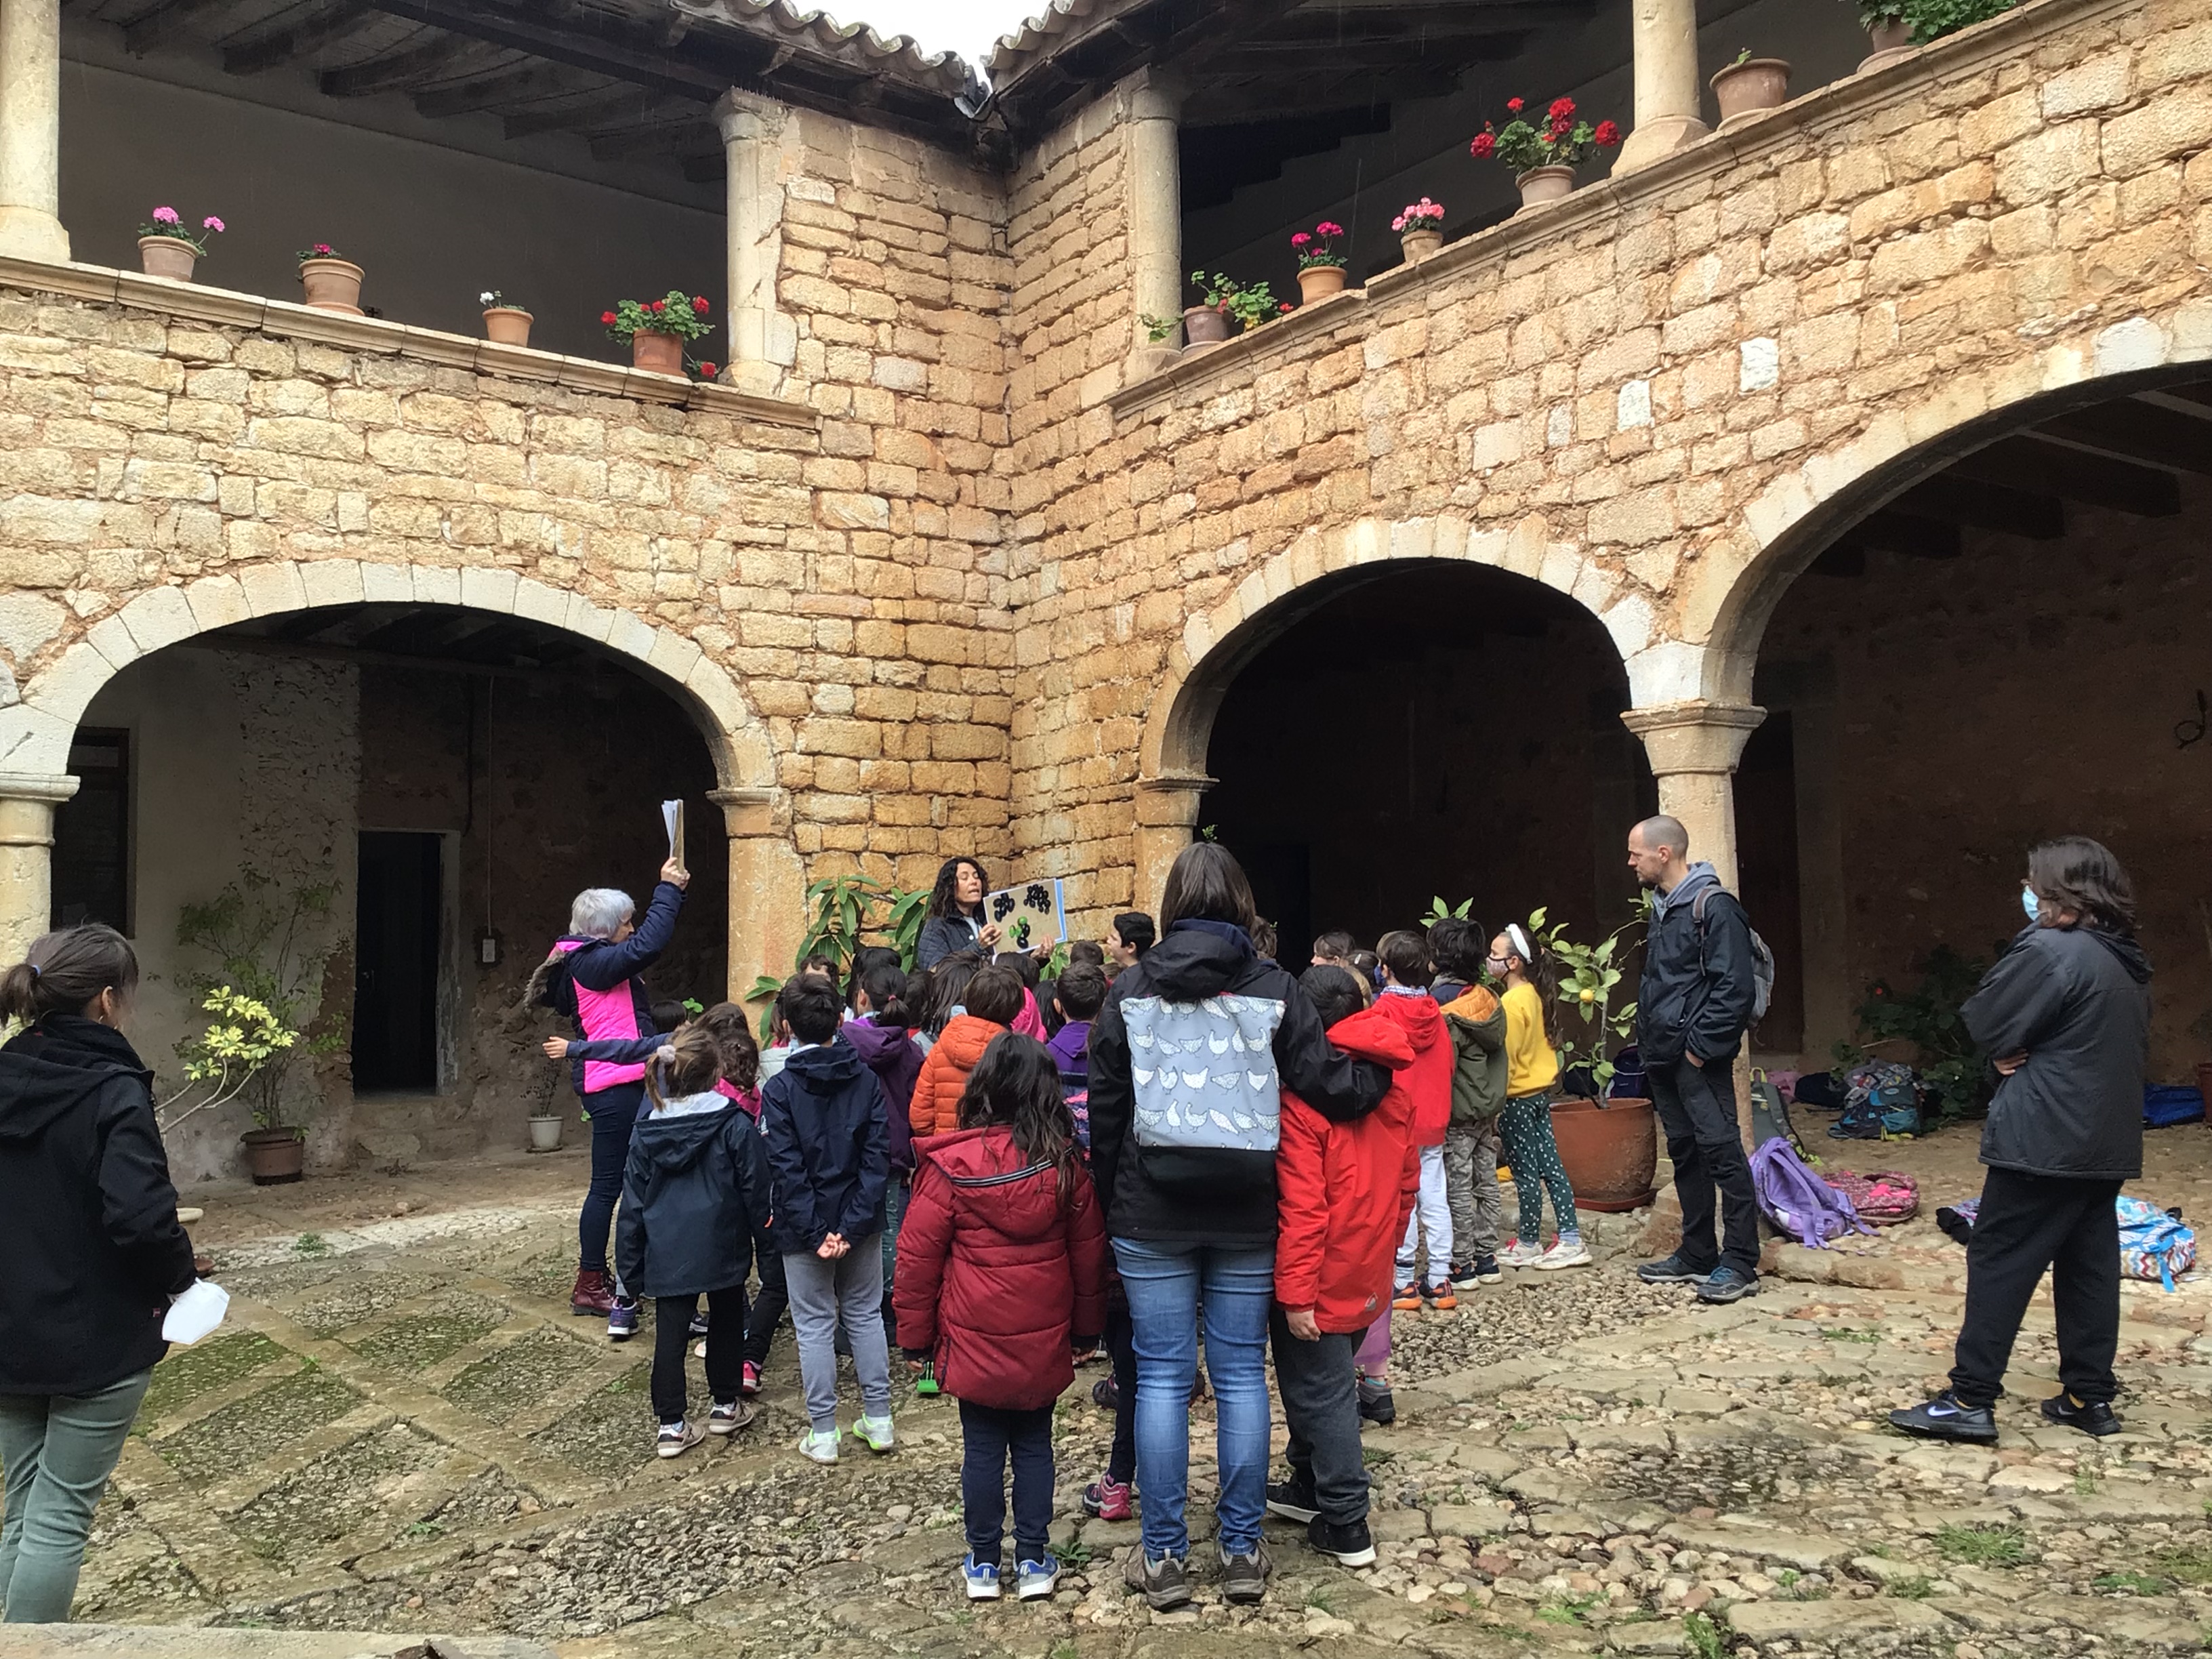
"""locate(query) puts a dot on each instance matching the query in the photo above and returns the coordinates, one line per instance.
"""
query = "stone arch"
(36, 734)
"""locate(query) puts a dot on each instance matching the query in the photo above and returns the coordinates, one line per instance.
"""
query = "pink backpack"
(1885, 1198)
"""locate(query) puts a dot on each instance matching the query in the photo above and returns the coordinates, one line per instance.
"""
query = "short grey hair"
(1661, 831)
(598, 911)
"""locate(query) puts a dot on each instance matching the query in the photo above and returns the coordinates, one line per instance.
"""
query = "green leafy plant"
(1439, 911)
(842, 911)
(1559, 140)
(1932, 20)
(1918, 1587)
(1249, 303)
(1703, 1635)
(312, 1244)
(1158, 328)
(1074, 1554)
(2188, 1563)
(1927, 1017)
(1741, 59)
(1588, 974)
(1872, 14)
(242, 1038)
(2136, 1584)
(168, 222)
(1983, 1546)
(684, 315)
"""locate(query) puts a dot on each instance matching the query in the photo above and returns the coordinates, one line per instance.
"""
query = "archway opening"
(410, 794)
(1428, 729)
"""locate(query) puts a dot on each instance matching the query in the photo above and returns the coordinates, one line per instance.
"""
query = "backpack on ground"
(1882, 1101)
(1762, 958)
(1885, 1198)
(2166, 1104)
(1797, 1200)
(2154, 1245)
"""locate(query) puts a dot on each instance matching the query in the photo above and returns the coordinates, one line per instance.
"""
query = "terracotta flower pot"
(1420, 244)
(1891, 41)
(1610, 1152)
(507, 324)
(1542, 185)
(1755, 84)
(660, 354)
(274, 1157)
(1316, 281)
(331, 285)
(165, 256)
(544, 1134)
(1205, 325)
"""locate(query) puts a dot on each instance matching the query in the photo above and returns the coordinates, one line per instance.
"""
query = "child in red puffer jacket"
(1002, 1277)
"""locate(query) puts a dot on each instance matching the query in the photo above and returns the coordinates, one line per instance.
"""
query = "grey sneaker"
(1244, 1577)
(1164, 1583)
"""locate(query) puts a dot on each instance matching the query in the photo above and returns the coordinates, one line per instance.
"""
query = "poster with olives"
(1034, 916)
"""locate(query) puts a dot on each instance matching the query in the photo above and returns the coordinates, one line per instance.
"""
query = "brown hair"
(1016, 1083)
(64, 970)
(1405, 954)
(726, 1023)
(995, 995)
(1206, 884)
(2078, 874)
(689, 1063)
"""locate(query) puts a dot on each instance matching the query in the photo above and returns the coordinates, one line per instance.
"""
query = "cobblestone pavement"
(403, 1428)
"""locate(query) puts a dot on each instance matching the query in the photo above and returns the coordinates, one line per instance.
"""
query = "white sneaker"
(1565, 1253)
(728, 1417)
(875, 1433)
(677, 1438)
(818, 1447)
(1518, 1254)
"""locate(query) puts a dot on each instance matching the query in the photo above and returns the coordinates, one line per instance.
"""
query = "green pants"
(1524, 1131)
(58, 1451)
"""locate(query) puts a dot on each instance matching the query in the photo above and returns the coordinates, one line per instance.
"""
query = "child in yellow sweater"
(1524, 1127)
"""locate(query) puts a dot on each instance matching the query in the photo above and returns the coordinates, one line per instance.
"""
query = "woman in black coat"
(2065, 1015)
(93, 1249)
(955, 921)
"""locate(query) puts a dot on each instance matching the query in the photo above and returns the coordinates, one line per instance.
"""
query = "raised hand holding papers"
(672, 819)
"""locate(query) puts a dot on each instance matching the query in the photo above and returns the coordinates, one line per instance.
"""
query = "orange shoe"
(1439, 1296)
(1408, 1300)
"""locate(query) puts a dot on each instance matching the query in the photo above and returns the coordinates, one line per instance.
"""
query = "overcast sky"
(967, 27)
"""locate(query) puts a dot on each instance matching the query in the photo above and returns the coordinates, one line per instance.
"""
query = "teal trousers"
(58, 1451)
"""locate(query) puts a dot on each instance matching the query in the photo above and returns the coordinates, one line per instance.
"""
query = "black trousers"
(1121, 1350)
(1696, 1106)
(1321, 1407)
(671, 1335)
(989, 1437)
(2027, 1223)
(767, 1312)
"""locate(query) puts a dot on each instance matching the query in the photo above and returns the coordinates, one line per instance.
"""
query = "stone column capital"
(741, 115)
(753, 814)
(1171, 801)
(53, 787)
(1694, 736)
(1152, 94)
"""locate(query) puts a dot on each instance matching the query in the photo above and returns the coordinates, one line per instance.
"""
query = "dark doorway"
(91, 833)
(1767, 859)
(395, 997)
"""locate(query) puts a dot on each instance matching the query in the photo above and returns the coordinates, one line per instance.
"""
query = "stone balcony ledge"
(1355, 312)
(229, 308)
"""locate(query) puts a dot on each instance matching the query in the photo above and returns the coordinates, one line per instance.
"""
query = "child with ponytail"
(1531, 978)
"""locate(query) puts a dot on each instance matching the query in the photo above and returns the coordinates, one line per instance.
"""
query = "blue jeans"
(59, 1450)
(614, 1115)
(1164, 1283)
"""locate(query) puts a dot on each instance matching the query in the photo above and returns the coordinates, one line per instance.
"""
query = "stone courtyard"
(402, 1428)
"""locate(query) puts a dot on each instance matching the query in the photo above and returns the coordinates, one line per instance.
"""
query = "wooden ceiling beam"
(433, 55)
(519, 84)
(2026, 462)
(2126, 431)
(303, 39)
(2001, 507)
(596, 53)
(163, 23)
(623, 103)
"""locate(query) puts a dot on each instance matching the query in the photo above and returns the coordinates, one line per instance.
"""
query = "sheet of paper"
(196, 1313)
(1034, 915)
(672, 819)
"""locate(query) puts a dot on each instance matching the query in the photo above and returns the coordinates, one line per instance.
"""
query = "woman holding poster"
(956, 921)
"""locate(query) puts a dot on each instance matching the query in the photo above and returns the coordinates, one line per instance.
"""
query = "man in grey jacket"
(2065, 1015)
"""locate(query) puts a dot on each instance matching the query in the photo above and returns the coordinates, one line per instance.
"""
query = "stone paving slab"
(140, 1641)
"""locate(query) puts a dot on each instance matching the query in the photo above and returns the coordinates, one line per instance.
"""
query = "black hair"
(1333, 993)
(810, 1006)
(668, 1014)
(1087, 950)
(995, 995)
(1136, 931)
(1016, 1084)
(889, 991)
(1206, 884)
(1081, 990)
(1405, 954)
(1543, 969)
(726, 1023)
(1335, 945)
(1023, 964)
(687, 1064)
(66, 969)
(2082, 875)
(1264, 942)
(945, 896)
(863, 959)
(948, 986)
(1459, 948)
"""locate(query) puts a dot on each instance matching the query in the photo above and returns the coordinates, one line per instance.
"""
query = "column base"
(1660, 137)
(32, 234)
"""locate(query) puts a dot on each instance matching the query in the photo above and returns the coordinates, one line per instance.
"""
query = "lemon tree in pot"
(1610, 1147)
(167, 249)
(655, 330)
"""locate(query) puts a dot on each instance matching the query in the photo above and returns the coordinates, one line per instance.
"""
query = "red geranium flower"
(1328, 227)
(1607, 135)
(1301, 239)
(658, 305)
(608, 318)
(1513, 105)
(1485, 145)
(705, 371)
(699, 305)
(1562, 108)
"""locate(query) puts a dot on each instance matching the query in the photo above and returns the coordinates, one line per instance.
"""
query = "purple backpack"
(1797, 1200)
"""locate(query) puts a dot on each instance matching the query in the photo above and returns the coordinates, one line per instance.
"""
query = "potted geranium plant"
(1750, 85)
(1420, 228)
(503, 323)
(1320, 265)
(1889, 31)
(1221, 298)
(1544, 155)
(655, 330)
(329, 282)
(166, 249)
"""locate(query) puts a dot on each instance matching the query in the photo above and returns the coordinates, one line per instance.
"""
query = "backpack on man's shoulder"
(1762, 958)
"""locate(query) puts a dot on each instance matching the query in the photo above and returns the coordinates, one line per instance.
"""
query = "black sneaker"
(1944, 1418)
(1244, 1577)
(1104, 1394)
(1164, 1583)
(1725, 1283)
(1293, 1500)
(1346, 1543)
(1671, 1270)
(1375, 1404)
(2097, 1418)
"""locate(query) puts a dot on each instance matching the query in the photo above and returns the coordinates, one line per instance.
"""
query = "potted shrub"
(1321, 266)
(1222, 299)
(328, 283)
(1750, 85)
(1888, 32)
(1609, 1147)
(655, 330)
(166, 249)
(1544, 156)
(503, 323)
(1420, 228)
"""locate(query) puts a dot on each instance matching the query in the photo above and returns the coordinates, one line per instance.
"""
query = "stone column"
(768, 887)
(1167, 812)
(764, 343)
(27, 801)
(1665, 36)
(1152, 178)
(31, 133)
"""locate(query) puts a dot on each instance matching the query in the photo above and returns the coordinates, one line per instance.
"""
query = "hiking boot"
(749, 1385)
(1347, 1543)
(1671, 1270)
(1946, 1418)
(1564, 1253)
(677, 1438)
(980, 1578)
(1376, 1405)
(1164, 1583)
(622, 1319)
(1483, 1270)
(875, 1433)
(1407, 1299)
(1726, 1284)
(729, 1416)
(1439, 1296)
(594, 1297)
(2095, 1416)
(1518, 1254)
(1035, 1581)
(1293, 1499)
(1244, 1577)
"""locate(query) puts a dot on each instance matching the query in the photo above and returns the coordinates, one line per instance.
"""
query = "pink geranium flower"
(212, 224)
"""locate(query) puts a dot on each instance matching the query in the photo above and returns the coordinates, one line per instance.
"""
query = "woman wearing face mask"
(1531, 981)
(93, 1249)
(2066, 1011)
(956, 920)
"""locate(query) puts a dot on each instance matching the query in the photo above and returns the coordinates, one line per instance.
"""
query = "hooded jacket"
(1476, 1019)
(891, 1052)
(1697, 987)
(2077, 1001)
(94, 1248)
(696, 1199)
(828, 1147)
(1348, 1188)
(1429, 1078)
(1189, 1059)
(935, 1108)
(602, 965)
(996, 1273)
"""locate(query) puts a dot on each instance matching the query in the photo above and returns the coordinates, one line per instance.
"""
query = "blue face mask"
(2030, 903)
